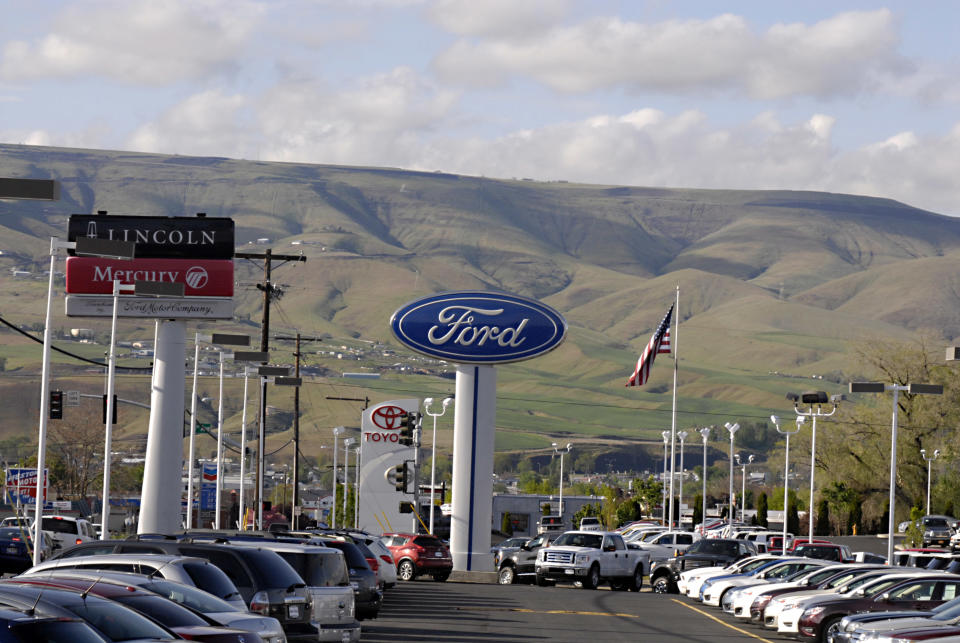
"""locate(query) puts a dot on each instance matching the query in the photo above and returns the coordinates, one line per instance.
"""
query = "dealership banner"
(180, 237)
(201, 278)
(151, 307)
(22, 484)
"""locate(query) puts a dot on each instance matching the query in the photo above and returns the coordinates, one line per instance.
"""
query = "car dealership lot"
(465, 612)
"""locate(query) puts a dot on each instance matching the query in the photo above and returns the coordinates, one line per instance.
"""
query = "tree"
(649, 492)
(506, 525)
(762, 510)
(793, 517)
(914, 535)
(822, 526)
(698, 509)
(76, 442)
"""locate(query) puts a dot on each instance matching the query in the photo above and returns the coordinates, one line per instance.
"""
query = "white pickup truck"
(592, 557)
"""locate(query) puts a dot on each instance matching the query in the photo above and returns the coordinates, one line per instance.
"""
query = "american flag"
(659, 343)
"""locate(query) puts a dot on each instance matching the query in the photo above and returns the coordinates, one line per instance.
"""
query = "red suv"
(418, 554)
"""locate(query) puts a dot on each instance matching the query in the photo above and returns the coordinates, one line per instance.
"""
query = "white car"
(695, 582)
(841, 584)
(745, 596)
(68, 531)
(765, 578)
(387, 565)
(715, 590)
(662, 546)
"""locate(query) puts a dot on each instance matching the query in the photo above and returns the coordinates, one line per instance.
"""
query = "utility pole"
(295, 500)
(269, 292)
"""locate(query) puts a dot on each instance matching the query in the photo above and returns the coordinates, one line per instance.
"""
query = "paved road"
(470, 613)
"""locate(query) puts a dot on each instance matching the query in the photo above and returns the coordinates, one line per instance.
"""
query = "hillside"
(774, 285)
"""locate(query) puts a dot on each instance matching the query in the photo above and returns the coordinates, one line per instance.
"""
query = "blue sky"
(852, 97)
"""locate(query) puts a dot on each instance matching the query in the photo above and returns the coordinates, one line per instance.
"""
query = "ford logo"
(478, 327)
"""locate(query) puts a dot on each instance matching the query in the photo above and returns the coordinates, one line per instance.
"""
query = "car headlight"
(814, 611)
(583, 559)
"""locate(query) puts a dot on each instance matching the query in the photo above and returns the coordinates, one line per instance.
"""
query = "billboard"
(201, 278)
(165, 237)
(208, 487)
(21, 484)
(380, 453)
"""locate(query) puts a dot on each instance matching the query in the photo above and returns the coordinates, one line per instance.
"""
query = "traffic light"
(400, 477)
(408, 427)
(56, 405)
(406, 507)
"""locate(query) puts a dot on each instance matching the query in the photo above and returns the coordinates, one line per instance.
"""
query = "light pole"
(814, 401)
(349, 442)
(433, 450)
(90, 247)
(356, 488)
(913, 389)
(705, 434)
(732, 428)
(743, 482)
(786, 474)
(929, 461)
(558, 450)
(683, 436)
(666, 443)
(337, 432)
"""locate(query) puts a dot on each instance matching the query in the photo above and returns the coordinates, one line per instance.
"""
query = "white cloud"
(837, 56)
(210, 123)
(136, 41)
(498, 18)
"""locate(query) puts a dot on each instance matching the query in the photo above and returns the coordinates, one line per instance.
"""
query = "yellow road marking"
(723, 623)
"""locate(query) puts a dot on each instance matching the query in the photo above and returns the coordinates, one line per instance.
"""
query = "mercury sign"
(479, 327)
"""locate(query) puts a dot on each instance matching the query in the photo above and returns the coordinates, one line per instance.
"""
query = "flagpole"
(673, 423)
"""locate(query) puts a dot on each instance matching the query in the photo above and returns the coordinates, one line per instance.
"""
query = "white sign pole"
(473, 433)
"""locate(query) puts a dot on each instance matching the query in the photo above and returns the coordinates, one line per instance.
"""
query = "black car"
(113, 621)
(707, 552)
(26, 625)
(367, 592)
(520, 564)
(268, 584)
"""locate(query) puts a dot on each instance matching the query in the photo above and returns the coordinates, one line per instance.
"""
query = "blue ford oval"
(478, 327)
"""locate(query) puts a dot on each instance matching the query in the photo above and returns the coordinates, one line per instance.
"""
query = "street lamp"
(743, 490)
(349, 442)
(666, 443)
(705, 434)
(558, 450)
(433, 453)
(929, 461)
(913, 389)
(337, 432)
(814, 401)
(786, 474)
(683, 436)
(732, 428)
(81, 247)
(356, 488)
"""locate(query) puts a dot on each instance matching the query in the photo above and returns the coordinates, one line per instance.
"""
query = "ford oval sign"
(478, 327)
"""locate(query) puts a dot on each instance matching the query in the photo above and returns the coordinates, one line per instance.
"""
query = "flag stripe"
(659, 343)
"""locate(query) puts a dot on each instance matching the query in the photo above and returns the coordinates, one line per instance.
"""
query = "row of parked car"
(811, 599)
(220, 586)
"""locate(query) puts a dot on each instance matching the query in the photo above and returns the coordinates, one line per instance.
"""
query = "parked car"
(419, 554)
(28, 625)
(183, 621)
(325, 571)
(16, 549)
(366, 590)
(590, 523)
(521, 564)
(855, 627)
(592, 557)
(501, 550)
(936, 531)
(67, 530)
(666, 544)
(224, 613)
(707, 552)
(113, 621)
(266, 582)
(188, 570)
(388, 566)
(824, 551)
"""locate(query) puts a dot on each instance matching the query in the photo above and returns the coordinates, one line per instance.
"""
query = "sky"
(841, 96)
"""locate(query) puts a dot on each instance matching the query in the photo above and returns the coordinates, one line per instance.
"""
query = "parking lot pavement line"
(723, 623)
(525, 610)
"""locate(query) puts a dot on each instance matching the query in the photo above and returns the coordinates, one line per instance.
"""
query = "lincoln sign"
(478, 327)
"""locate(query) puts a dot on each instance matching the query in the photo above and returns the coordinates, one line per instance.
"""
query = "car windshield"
(319, 569)
(579, 540)
(428, 541)
(55, 632)
(353, 555)
(947, 612)
(161, 610)
(195, 599)
(59, 525)
(117, 622)
(937, 522)
(11, 533)
(211, 578)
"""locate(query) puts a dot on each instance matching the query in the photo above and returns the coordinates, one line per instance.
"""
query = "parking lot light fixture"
(427, 403)
(705, 434)
(786, 473)
(337, 432)
(683, 436)
(929, 461)
(810, 404)
(349, 442)
(666, 444)
(732, 428)
(558, 450)
(880, 387)
(743, 481)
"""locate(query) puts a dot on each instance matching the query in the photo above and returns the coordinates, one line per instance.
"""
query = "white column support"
(108, 433)
(193, 431)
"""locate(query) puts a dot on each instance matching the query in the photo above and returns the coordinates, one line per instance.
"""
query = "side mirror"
(610, 548)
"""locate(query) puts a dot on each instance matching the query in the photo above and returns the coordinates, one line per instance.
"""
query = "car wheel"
(405, 570)
(506, 576)
(441, 577)
(593, 577)
(829, 628)
(661, 585)
(636, 582)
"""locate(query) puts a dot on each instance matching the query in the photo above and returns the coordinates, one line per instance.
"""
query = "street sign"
(73, 398)
(165, 237)
(151, 307)
(201, 278)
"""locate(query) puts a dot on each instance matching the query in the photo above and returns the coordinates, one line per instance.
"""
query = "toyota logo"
(197, 277)
(387, 417)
